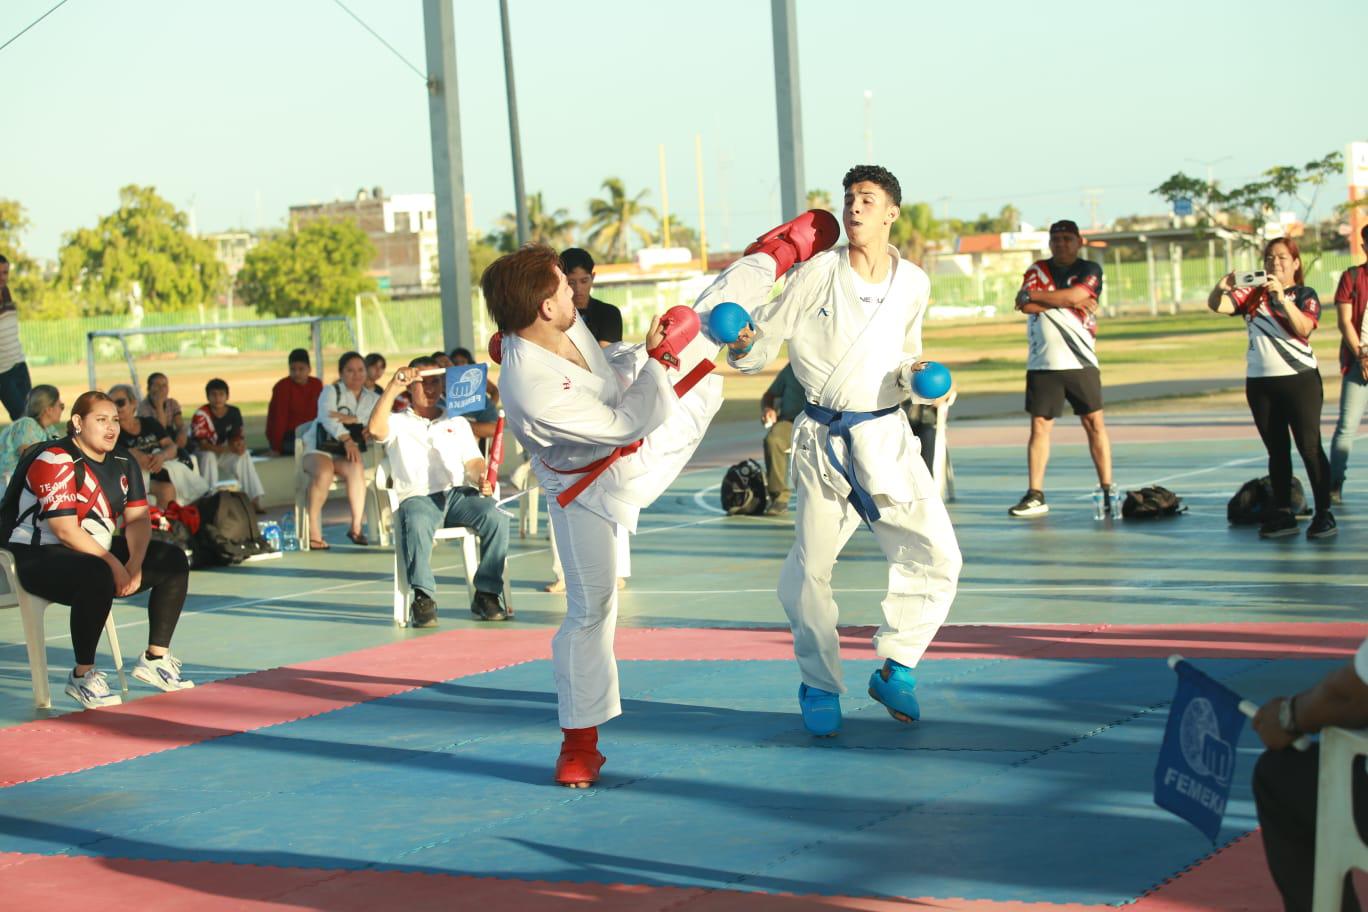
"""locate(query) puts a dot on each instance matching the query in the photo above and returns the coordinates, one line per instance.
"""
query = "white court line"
(997, 590)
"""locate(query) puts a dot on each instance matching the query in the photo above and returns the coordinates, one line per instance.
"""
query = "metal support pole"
(514, 140)
(316, 336)
(702, 217)
(1151, 279)
(448, 176)
(90, 360)
(792, 195)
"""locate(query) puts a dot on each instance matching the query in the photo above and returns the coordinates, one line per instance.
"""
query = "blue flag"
(465, 388)
(1197, 758)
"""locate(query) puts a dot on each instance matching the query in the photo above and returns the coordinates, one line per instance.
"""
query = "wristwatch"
(1287, 716)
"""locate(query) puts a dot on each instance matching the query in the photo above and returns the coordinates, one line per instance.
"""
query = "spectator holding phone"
(1351, 300)
(1283, 382)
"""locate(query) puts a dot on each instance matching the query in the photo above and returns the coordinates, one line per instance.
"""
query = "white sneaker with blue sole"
(162, 672)
(91, 690)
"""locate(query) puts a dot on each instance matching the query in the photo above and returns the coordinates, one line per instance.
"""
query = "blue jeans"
(1353, 403)
(14, 390)
(418, 519)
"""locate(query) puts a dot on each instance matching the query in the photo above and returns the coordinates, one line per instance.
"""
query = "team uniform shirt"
(427, 456)
(603, 319)
(216, 429)
(1353, 289)
(1275, 350)
(1061, 338)
(108, 489)
(148, 438)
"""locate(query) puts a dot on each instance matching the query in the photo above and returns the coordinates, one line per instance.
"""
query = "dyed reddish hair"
(516, 283)
(1293, 249)
(83, 406)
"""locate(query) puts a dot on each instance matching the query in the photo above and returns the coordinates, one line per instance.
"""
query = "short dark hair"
(346, 357)
(516, 283)
(875, 174)
(576, 258)
(215, 384)
(423, 361)
(299, 356)
(1364, 234)
(462, 353)
(375, 358)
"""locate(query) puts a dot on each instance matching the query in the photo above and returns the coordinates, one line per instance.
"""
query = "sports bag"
(1151, 503)
(228, 532)
(9, 506)
(743, 489)
(1253, 503)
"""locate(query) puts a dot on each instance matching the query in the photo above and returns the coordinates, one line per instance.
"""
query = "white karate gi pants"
(238, 466)
(624, 555)
(924, 563)
(582, 649)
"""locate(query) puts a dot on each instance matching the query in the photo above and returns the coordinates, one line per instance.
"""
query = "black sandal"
(358, 538)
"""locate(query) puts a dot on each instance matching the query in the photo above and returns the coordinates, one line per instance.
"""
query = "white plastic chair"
(374, 520)
(470, 558)
(1339, 848)
(941, 470)
(31, 609)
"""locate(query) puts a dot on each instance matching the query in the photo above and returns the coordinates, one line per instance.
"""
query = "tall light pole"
(1210, 167)
(514, 140)
(448, 175)
(792, 195)
(869, 126)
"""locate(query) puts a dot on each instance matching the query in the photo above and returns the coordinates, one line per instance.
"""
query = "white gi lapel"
(594, 381)
(855, 356)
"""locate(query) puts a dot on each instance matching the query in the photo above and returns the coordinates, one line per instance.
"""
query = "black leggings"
(85, 582)
(1280, 404)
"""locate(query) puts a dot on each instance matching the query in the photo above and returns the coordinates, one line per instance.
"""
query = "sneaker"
(1322, 526)
(1031, 504)
(894, 685)
(162, 672)
(1279, 525)
(91, 690)
(487, 607)
(777, 508)
(821, 710)
(423, 610)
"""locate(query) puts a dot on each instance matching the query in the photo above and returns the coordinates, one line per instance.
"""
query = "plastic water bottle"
(289, 536)
(270, 530)
(1115, 502)
(1099, 504)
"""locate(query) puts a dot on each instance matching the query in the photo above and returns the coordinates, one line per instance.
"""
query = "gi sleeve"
(573, 416)
(775, 323)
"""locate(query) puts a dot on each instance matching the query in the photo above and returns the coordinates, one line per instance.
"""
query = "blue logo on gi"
(465, 388)
(823, 311)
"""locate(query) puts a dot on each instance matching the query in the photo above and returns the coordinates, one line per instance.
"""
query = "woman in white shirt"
(335, 446)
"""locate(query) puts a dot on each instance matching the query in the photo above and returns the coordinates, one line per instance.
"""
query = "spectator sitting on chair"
(42, 422)
(782, 403)
(76, 492)
(485, 421)
(1286, 780)
(375, 370)
(14, 373)
(439, 477)
(344, 407)
(166, 469)
(221, 439)
(158, 404)
(294, 401)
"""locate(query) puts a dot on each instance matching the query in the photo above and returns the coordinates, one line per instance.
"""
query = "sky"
(236, 111)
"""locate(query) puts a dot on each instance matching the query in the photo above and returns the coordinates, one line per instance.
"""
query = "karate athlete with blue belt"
(852, 317)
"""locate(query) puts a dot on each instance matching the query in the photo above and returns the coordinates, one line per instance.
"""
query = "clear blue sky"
(236, 110)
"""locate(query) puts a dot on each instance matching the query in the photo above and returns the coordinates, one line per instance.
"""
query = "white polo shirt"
(428, 456)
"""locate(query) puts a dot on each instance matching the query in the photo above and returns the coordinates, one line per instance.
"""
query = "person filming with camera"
(1283, 381)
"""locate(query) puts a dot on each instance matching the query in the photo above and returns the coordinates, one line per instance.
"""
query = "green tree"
(612, 221)
(314, 271)
(916, 231)
(819, 199)
(555, 229)
(144, 241)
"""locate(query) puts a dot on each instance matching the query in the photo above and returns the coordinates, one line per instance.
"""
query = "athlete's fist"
(670, 333)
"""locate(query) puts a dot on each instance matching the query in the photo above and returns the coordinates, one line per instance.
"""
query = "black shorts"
(1046, 391)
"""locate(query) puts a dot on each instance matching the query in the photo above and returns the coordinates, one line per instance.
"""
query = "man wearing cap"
(1059, 297)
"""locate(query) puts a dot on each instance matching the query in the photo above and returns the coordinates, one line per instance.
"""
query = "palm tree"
(554, 229)
(613, 221)
(915, 230)
(819, 199)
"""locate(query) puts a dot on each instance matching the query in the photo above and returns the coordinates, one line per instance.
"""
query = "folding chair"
(374, 520)
(941, 470)
(1339, 849)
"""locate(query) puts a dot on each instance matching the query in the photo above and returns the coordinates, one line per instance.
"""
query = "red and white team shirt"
(107, 490)
(1060, 338)
(1275, 349)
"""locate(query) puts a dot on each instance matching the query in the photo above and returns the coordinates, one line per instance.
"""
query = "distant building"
(230, 248)
(403, 229)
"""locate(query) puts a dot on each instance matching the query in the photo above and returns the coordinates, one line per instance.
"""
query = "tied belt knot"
(840, 423)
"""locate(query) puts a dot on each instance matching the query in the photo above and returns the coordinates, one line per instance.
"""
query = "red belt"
(596, 468)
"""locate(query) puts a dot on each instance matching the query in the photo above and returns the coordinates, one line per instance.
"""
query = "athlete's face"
(868, 214)
(1281, 263)
(581, 283)
(560, 307)
(1064, 247)
(99, 427)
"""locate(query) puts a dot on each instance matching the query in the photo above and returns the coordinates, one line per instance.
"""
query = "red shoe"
(799, 240)
(579, 761)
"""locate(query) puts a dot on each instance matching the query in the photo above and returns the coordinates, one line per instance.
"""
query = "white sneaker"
(162, 672)
(91, 690)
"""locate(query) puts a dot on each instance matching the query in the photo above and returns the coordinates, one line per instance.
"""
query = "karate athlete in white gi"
(852, 317)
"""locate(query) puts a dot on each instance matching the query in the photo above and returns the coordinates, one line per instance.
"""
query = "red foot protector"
(798, 240)
(579, 761)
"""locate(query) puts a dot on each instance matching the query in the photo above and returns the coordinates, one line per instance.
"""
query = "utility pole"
(448, 175)
(702, 217)
(1092, 198)
(664, 202)
(792, 194)
(514, 140)
(869, 126)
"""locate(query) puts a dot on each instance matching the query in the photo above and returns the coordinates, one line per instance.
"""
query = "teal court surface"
(328, 760)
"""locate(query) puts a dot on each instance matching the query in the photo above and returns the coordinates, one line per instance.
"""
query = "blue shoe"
(898, 693)
(821, 710)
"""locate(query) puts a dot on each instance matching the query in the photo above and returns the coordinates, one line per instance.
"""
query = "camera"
(1254, 279)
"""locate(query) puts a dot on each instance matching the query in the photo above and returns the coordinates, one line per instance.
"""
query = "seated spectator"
(439, 477)
(75, 493)
(158, 404)
(1286, 780)
(221, 440)
(375, 371)
(335, 444)
(166, 469)
(42, 421)
(483, 422)
(294, 401)
(781, 405)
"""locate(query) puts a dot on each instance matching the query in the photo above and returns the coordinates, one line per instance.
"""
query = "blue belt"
(841, 423)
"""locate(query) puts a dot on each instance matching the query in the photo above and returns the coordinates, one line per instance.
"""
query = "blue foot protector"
(898, 692)
(821, 710)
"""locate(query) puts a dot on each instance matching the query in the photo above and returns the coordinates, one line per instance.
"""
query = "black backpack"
(1252, 504)
(9, 506)
(228, 533)
(1151, 503)
(743, 489)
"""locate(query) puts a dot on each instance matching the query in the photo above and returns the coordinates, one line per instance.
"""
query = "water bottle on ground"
(1116, 500)
(289, 536)
(270, 530)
